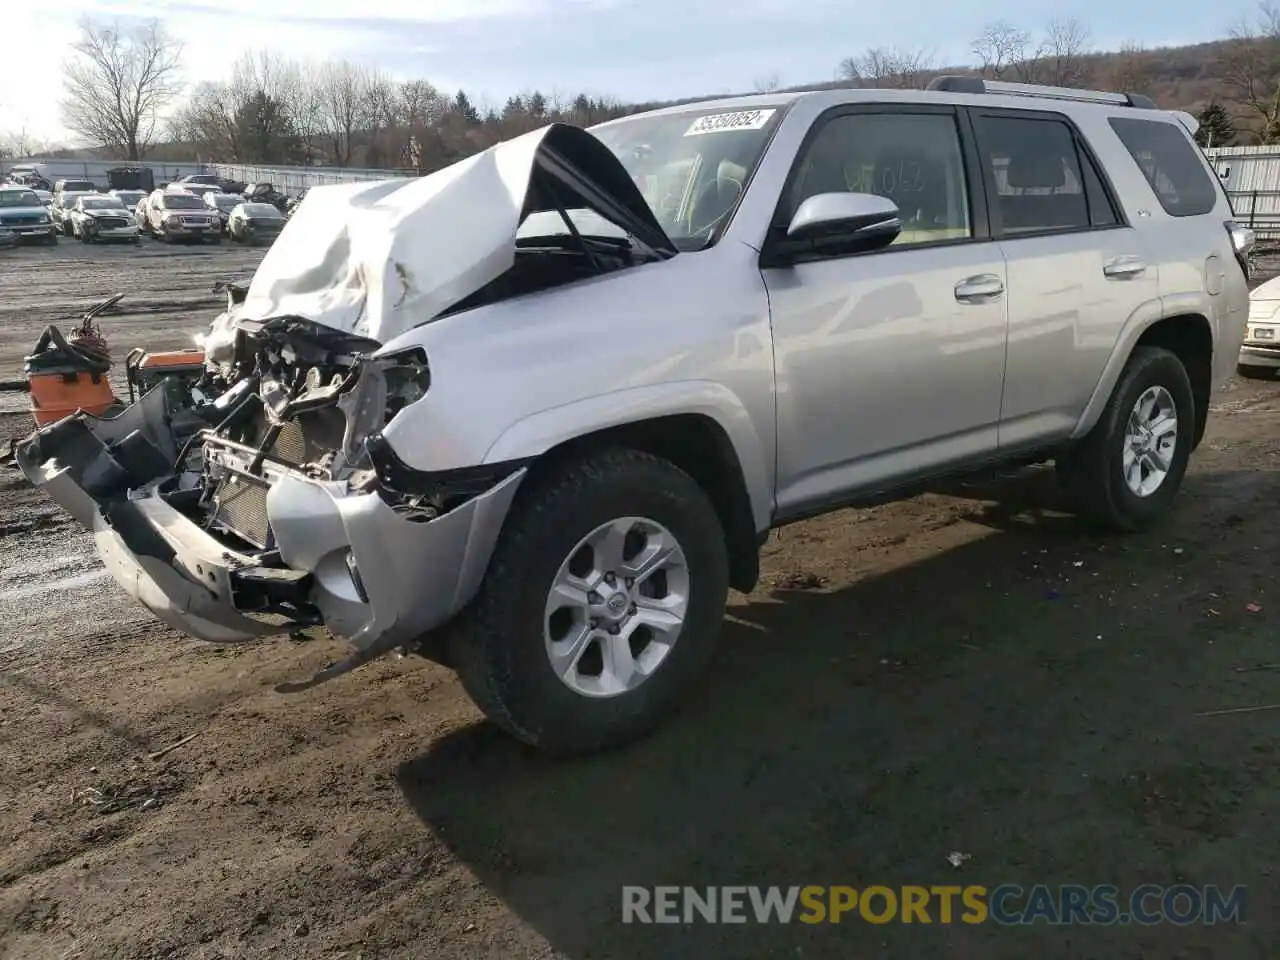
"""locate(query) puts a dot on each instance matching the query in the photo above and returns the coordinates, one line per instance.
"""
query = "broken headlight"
(386, 385)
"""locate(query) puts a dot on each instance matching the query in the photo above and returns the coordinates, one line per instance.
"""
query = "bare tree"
(117, 83)
(1249, 68)
(21, 145)
(895, 68)
(999, 47)
(343, 107)
(1064, 53)
(1131, 69)
(768, 83)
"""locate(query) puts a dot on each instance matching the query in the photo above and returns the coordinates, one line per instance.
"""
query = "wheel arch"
(700, 446)
(1188, 335)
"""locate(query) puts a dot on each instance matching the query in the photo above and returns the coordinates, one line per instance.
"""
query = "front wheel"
(601, 604)
(1128, 469)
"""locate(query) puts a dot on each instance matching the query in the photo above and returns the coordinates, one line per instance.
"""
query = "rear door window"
(1171, 164)
(1043, 182)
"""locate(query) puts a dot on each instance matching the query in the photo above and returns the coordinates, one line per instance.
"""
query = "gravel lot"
(967, 671)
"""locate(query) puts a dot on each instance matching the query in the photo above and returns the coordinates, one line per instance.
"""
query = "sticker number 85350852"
(724, 122)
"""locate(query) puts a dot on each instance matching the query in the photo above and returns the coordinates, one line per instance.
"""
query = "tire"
(1093, 473)
(498, 645)
(1251, 372)
(51, 240)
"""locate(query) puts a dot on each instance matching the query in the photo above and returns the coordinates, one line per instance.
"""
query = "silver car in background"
(222, 204)
(178, 216)
(103, 219)
(255, 223)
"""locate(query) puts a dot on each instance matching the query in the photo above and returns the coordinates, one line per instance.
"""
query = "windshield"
(691, 166)
(223, 201)
(129, 198)
(18, 198)
(101, 203)
(261, 210)
(182, 201)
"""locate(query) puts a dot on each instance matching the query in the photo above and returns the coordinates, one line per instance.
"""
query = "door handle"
(1122, 268)
(985, 286)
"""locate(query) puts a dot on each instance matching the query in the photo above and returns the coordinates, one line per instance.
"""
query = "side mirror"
(864, 220)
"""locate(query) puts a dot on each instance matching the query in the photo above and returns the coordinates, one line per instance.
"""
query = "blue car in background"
(22, 212)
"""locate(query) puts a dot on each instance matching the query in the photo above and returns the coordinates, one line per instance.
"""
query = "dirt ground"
(969, 671)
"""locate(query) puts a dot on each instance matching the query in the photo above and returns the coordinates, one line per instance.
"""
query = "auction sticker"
(725, 122)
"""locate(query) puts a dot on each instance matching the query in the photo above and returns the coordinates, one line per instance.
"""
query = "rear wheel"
(602, 603)
(1128, 470)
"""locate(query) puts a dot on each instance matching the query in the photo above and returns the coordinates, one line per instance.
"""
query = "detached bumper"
(348, 561)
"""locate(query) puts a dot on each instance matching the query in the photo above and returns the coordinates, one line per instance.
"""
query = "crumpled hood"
(377, 259)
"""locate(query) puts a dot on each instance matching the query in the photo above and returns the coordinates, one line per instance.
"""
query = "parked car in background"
(141, 214)
(175, 215)
(266, 193)
(195, 189)
(46, 196)
(74, 186)
(223, 203)
(102, 218)
(255, 223)
(129, 198)
(212, 180)
(22, 212)
(33, 180)
(63, 204)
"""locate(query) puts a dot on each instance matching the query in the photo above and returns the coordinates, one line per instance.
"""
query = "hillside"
(275, 111)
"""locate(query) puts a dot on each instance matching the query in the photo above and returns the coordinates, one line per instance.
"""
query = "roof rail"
(957, 84)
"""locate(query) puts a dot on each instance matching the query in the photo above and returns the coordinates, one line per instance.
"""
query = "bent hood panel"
(376, 259)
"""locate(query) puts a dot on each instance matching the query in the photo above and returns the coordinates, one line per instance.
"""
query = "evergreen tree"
(1217, 129)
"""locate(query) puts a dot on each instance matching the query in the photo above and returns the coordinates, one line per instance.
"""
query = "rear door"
(1076, 269)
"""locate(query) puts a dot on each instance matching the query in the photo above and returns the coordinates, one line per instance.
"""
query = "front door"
(889, 364)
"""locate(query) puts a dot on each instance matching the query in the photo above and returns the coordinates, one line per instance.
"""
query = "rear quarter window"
(1171, 164)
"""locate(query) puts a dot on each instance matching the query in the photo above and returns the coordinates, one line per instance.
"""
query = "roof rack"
(957, 84)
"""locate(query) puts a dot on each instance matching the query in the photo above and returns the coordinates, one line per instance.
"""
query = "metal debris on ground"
(956, 858)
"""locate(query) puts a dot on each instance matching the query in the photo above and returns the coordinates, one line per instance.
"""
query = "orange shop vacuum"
(66, 374)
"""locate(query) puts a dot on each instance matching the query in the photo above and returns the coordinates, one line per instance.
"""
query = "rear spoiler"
(1187, 120)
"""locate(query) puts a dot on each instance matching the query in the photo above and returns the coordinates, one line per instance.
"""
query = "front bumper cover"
(347, 560)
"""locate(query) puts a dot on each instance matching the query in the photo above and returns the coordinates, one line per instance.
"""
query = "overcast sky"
(630, 49)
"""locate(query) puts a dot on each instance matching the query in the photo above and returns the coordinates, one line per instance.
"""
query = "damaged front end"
(288, 509)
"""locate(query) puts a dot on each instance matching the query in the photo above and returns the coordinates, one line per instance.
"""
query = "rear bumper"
(345, 560)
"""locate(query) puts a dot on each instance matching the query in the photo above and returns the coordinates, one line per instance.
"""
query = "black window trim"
(975, 185)
(1084, 154)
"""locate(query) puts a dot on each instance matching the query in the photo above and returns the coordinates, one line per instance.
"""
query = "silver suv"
(545, 460)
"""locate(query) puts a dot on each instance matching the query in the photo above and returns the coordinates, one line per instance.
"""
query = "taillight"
(1242, 241)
